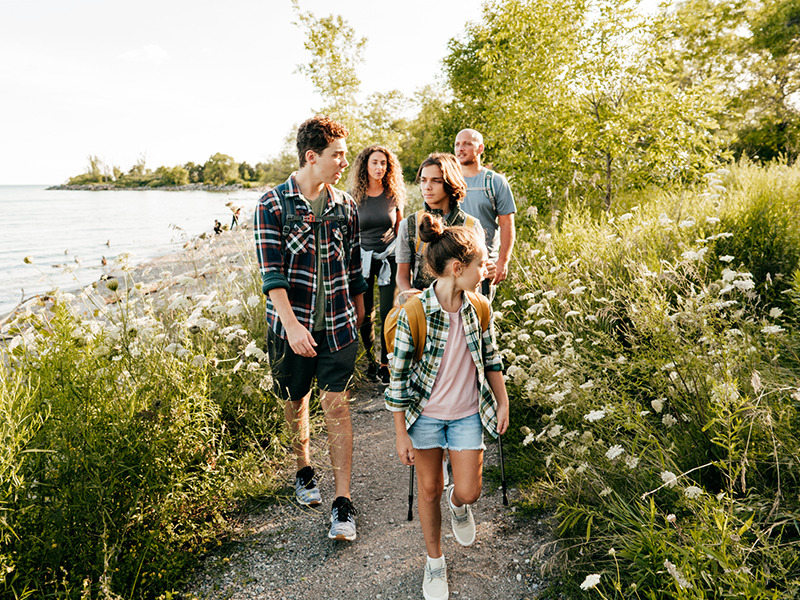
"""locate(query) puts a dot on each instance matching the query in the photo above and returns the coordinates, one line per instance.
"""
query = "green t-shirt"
(317, 207)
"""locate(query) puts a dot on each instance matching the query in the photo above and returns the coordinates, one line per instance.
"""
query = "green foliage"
(573, 99)
(662, 388)
(175, 176)
(129, 430)
(748, 51)
(220, 169)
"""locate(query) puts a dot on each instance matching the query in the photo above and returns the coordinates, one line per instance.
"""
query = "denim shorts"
(462, 434)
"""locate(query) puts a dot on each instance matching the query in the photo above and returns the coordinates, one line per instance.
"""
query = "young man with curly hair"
(309, 255)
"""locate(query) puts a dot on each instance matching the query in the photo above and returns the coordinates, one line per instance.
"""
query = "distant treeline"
(218, 170)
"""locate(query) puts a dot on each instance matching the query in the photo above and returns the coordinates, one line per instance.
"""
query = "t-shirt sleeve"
(402, 252)
(504, 199)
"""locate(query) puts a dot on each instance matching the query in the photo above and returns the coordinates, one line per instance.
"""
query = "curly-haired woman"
(376, 184)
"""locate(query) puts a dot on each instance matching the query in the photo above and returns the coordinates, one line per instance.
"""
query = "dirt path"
(284, 552)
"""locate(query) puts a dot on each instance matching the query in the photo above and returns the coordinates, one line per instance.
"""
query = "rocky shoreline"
(192, 187)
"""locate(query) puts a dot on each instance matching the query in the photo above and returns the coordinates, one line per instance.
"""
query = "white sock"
(436, 563)
(459, 510)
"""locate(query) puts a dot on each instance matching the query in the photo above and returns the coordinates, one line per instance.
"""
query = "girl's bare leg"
(430, 484)
(467, 468)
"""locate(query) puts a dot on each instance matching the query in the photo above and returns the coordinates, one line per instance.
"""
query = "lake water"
(56, 226)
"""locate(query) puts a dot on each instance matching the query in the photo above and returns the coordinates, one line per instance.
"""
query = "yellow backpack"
(417, 322)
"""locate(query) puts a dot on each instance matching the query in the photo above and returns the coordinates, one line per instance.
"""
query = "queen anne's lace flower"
(590, 582)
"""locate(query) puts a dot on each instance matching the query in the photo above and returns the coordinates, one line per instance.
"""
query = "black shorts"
(293, 374)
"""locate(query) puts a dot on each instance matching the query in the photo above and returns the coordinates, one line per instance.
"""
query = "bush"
(662, 387)
(130, 430)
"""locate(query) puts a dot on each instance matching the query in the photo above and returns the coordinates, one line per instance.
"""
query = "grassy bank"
(132, 417)
(653, 358)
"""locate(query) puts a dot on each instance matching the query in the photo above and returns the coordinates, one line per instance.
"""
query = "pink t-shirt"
(455, 391)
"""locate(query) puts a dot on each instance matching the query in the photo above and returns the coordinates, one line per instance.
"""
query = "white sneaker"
(464, 524)
(434, 582)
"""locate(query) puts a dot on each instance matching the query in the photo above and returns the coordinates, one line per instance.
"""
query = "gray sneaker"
(305, 487)
(463, 525)
(343, 520)
(434, 583)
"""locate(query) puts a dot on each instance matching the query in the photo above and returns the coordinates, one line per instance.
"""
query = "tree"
(174, 176)
(195, 172)
(572, 97)
(220, 169)
(749, 50)
(336, 52)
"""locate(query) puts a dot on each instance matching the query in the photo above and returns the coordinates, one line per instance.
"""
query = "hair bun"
(431, 228)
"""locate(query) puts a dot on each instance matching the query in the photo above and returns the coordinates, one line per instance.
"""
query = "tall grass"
(659, 378)
(133, 417)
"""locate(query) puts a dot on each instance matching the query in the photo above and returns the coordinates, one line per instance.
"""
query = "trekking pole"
(502, 470)
(410, 492)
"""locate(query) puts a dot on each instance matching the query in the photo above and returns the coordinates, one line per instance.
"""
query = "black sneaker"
(305, 487)
(372, 370)
(343, 521)
(383, 374)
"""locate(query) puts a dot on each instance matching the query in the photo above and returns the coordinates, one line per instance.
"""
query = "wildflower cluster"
(643, 353)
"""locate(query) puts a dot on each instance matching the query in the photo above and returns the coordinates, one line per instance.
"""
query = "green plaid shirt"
(411, 382)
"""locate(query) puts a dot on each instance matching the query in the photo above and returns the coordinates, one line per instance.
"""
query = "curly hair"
(447, 243)
(454, 184)
(317, 133)
(392, 181)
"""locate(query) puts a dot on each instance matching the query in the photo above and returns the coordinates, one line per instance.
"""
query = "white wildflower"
(686, 223)
(692, 255)
(712, 220)
(529, 438)
(595, 415)
(524, 337)
(173, 348)
(744, 284)
(631, 462)
(668, 420)
(578, 290)
(572, 313)
(554, 431)
(727, 258)
(772, 329)
(253, 300)
(235, 310)
(590, 582)
(198, 361)
(550, 294)
(508, 303)
(671, 518)
(615, 451)
(606, 491)
(657, 405)
(669, 478)
(238, 366)
(692, 492)
(591, 317)
(664, 219)
(775, 312)
(253, 350)
(626, 216)
(587, 385)
(253, 366)
(181, 352)
(621, 359)
(679, 578)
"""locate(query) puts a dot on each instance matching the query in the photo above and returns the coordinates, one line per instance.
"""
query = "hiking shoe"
(343, 520)
(305, 487)
(464, 524)
(434, 582)
(383, 374)
(372, 370)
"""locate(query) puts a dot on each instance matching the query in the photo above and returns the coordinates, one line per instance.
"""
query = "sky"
(179, 81)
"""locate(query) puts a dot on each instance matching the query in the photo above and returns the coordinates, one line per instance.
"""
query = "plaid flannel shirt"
(296, 269)
(411, 382)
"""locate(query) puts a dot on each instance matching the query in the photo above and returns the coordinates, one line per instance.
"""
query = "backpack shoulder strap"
(481, 304)
(488, 184)
(288, 214)
(417, 324)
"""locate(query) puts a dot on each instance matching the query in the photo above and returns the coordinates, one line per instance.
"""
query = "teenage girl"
(444, 401)
(376, 184)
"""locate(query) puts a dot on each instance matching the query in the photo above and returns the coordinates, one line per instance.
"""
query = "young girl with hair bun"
(443, 401)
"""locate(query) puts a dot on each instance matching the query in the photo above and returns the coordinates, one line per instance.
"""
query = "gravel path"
(283, 551)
